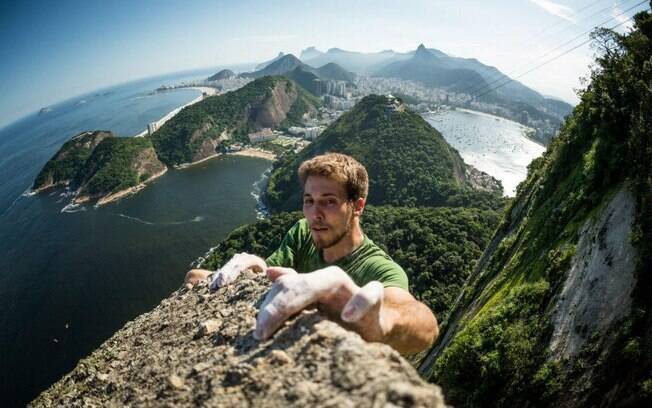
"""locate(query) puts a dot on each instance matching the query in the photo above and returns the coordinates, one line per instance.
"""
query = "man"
(342, 271)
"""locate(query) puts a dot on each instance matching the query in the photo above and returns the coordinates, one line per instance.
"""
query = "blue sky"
(51, 51)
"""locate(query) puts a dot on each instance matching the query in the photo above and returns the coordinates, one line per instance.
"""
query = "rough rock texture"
(147, 164)
(603, 272)
(196, 348)
(275, 108)
(481, 180)
(207, 147)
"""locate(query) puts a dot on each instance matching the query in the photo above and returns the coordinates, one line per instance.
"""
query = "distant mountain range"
(308, 77)
(433, 69)
(358, 62)
(266, 63)
(287, 63)
(436, 69)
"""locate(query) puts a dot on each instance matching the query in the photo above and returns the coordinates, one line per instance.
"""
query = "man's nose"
(315, 213)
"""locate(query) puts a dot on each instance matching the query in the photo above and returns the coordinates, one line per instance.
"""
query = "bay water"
(491, 144)
(68, 281)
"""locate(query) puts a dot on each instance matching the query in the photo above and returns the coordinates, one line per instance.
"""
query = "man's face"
(328, 210)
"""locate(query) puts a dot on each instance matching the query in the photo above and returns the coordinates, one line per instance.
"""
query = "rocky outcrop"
(480, 180)
(207, 146)
(598, 288)
(61, 169)
(198, 130)
(196, 348)
(99, 166)
(274, 109)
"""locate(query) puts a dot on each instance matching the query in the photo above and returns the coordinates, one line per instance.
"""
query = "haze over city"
(54, 51)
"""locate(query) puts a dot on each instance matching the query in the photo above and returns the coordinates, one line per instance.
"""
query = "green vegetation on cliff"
(71, 157)
(197, 130)
(97, 164)
(305, 102)
(437, 247)
(114, 165)
(178, 140)
(409, 162)
(499, 352)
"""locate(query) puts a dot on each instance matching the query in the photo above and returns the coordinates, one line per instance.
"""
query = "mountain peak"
(421, 50)
(287, 57)
(310, 52)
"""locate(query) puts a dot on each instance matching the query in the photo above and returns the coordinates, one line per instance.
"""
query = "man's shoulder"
(375, 255)
(376, 264)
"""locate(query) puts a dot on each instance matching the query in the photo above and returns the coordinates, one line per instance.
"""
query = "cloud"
(556, 9)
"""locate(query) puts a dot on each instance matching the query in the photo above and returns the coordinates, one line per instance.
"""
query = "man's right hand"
(232, 269)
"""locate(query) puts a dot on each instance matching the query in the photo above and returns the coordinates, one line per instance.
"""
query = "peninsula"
(97, 165)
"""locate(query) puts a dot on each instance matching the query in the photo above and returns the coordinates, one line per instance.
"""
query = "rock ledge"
(196, 348)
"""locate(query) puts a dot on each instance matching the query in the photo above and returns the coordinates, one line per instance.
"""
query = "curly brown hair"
(341, 168)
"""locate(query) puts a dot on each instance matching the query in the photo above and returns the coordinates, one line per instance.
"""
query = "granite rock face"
(196, 348)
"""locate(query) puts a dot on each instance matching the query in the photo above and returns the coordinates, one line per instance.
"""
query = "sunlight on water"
(494, 145)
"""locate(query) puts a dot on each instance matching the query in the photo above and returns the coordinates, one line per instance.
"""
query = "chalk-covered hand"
(232, 269)
(333, 292)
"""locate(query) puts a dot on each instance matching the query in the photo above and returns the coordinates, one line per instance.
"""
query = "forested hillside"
(558, 312)
(409, 162)
(197, 130)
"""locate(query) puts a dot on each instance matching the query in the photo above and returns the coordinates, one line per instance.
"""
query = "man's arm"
(388, 315)
(413, 325)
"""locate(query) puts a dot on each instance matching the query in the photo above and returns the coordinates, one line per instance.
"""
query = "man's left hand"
(334, 293)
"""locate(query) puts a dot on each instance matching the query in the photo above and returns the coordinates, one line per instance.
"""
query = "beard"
(328, 242)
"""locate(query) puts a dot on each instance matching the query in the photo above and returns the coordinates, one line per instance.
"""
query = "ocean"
(494, 145)
(68, 281)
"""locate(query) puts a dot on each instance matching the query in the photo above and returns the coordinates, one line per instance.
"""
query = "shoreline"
(248, 152)
(190, 164)
(202, 89)
(255, 152)
(131, 190)
(526, 129)
(119, 194)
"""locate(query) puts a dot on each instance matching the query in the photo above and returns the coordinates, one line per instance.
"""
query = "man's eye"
(307, 202)
(331, 202)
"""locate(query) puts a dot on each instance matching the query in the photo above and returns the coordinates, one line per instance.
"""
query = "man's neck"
(347, 245)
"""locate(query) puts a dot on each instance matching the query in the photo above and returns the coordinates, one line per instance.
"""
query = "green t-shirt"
(367, 263)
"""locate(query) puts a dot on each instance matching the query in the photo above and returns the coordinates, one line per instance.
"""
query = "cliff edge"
(196, 348)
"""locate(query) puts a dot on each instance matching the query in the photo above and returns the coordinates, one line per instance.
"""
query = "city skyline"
(52, 52)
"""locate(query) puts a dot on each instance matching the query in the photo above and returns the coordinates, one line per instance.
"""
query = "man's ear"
(358, 206)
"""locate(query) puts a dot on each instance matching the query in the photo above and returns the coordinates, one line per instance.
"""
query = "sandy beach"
(208, 91)
(254, 152)
(122, 193)
(186, 165)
